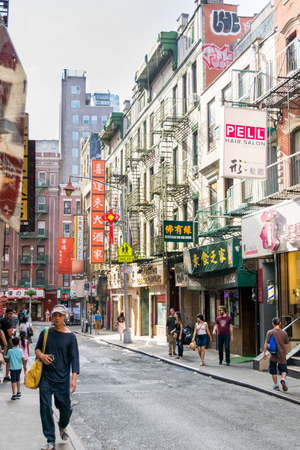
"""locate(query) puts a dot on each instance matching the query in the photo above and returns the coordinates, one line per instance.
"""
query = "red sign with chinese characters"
(65, 255)
(98, 209)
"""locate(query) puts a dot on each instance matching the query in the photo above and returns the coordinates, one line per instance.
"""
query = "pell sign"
(243, 143)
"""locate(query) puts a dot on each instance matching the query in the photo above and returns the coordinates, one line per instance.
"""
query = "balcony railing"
(133, 198)
(171, 110)
(42, 208)
(39, 234)
(157, 246)
(38, 259)
(169, 177)
(42, 183)
(41, 283)
(283, 181)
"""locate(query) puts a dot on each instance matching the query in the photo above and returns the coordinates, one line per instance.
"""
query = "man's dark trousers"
(62, 402)
(224, 339)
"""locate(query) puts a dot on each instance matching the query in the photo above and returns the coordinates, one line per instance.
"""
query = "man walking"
(282, 340)
(98, 322)
(8, 330)
(170, 327)
(225, 333)
(61, 353)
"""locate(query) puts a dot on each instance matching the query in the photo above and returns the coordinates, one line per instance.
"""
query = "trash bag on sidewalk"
(187, 335)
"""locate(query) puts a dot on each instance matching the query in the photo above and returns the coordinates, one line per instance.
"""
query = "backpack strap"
(46, 331)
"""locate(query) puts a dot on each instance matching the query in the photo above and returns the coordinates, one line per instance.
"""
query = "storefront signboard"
(212, 257)
(20, 293)
(231, 279)
(178, 231)
(271, 230)
(243, 143)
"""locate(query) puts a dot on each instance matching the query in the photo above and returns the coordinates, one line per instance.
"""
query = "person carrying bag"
(34, 374)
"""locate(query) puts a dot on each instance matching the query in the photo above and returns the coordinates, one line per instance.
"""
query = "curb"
(207, 374)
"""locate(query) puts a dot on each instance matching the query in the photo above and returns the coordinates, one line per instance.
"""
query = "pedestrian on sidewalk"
(8, 330)
(202, 332)
(278, 361)
(179, 333)
(225, 333)
(47, 314)
(24, 345)
(26, 326)
(170, 326)
(20, 316)
(16, 359)
(72, 316)
(121, 324)
(98, 322)
(60, 355)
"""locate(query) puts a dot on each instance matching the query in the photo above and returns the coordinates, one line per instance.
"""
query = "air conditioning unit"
(194, 99)
(216, 132)
(195, 169)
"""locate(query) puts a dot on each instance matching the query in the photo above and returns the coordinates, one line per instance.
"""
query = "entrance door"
(145, 311)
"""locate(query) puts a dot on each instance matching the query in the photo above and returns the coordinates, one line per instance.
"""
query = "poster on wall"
(243, 143)
(65, 255)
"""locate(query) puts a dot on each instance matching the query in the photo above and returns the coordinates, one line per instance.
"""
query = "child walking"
(24, 345)
(16, 358)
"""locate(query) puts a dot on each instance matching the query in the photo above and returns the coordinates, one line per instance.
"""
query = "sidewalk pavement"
(20, 419)
(240, 373)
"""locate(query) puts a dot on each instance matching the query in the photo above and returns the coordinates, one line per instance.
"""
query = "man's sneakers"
(283, 384)
(19, 394)
(49, 446)
(276, 387)
(63, 434)
(14, 397)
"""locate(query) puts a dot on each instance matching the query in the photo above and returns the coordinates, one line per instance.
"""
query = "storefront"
(219, 272)
(189, 298)
(18, 300)
(273, 234)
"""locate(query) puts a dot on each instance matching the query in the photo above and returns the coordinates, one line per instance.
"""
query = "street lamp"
(68, 190)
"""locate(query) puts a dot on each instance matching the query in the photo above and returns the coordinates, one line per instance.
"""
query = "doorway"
(145, 311)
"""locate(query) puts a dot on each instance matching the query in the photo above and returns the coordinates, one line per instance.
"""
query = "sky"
(108, 39)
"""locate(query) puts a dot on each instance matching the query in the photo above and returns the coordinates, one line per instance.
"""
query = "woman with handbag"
(27, 328)
(202, 332)
(121, 324)
(178, 331)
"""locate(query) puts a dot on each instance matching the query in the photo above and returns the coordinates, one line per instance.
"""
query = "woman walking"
(25, 326)
(24, 345)
(121, 324)
(202, 332)
(47, 314)
(179, 331)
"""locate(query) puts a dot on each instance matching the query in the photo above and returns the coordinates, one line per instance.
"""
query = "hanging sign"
(125, 253)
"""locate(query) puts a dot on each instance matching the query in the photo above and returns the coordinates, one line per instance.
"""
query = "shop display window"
(294, 283)
(231, 301)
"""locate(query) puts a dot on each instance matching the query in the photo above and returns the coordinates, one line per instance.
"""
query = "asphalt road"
(127, 401)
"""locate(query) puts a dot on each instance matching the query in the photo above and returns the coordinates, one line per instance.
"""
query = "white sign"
(127, 269)
(20, 293)
(272, 230)
(79, 238)
(244, 143)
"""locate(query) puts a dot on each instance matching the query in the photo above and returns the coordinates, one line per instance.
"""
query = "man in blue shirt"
(60, 355)
(98, 322)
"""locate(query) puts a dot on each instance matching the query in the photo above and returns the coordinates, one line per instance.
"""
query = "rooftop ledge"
(165, 47)
(114, 124)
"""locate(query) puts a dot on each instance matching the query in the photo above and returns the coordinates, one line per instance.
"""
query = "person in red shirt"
(225, 333)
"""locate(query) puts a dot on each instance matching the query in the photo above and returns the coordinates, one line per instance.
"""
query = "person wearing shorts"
(98, 322)
(16, 358)
(278, 361)
(202, 332)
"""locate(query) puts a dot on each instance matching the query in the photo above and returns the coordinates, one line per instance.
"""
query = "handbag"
(34, 374)
(29, 332)
(175, 335)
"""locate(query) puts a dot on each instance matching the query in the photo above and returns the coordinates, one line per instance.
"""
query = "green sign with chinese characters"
(213, 257)
(178, 231)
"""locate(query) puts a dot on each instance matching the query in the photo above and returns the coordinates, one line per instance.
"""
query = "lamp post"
(68, 190)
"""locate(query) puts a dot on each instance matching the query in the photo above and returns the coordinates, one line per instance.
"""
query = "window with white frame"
(75, 170)
(41, 178)
(75, 135)
(86, 119)
(75, 152)
(75, 120)
(5, 277)
(77, 206)
(41, 228)
(41, 203)
(67, 207)
(75, 104)
(85, 135)
(6, 254)
(67, 230)
(75, 90)
(94, 120)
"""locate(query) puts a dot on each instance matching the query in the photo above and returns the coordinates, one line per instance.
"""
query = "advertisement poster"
(65, 255)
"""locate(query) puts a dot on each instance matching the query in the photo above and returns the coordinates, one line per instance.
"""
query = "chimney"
(182, 21)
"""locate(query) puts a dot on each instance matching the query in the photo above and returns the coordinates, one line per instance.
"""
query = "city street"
(129, 401)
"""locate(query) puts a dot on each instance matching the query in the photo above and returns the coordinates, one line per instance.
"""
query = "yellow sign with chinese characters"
(178, 231)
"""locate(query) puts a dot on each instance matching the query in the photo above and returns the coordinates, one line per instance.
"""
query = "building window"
(185, 211)
(6, 253)
(75, 152)
(66, 280)
(104, 120)
(40, 277)
(295, 166)
(41, 203)
(53, 145)
(184, 94)
(7, 230)
(75, 170)
(195, 148)
(195, 220)
(211, 114)
(75, 90)
(244, 85)
(67, 230)
(292, 53)
(194, 78)
(41, 253)
(41, 228)
(75, 104)
(86, 119)
(94, 120)
(75, 135)
(226, 92)
(26, 253)
(78, 207)
(75, 120)
(86, 135)
(67, 207)
(213, 193)
(231, 301)
(24, 275)
(41, 178)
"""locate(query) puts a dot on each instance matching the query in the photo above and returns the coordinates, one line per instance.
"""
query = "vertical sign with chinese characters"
(79, 238)
(98, 209)
(65, 255)
(244, 143)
